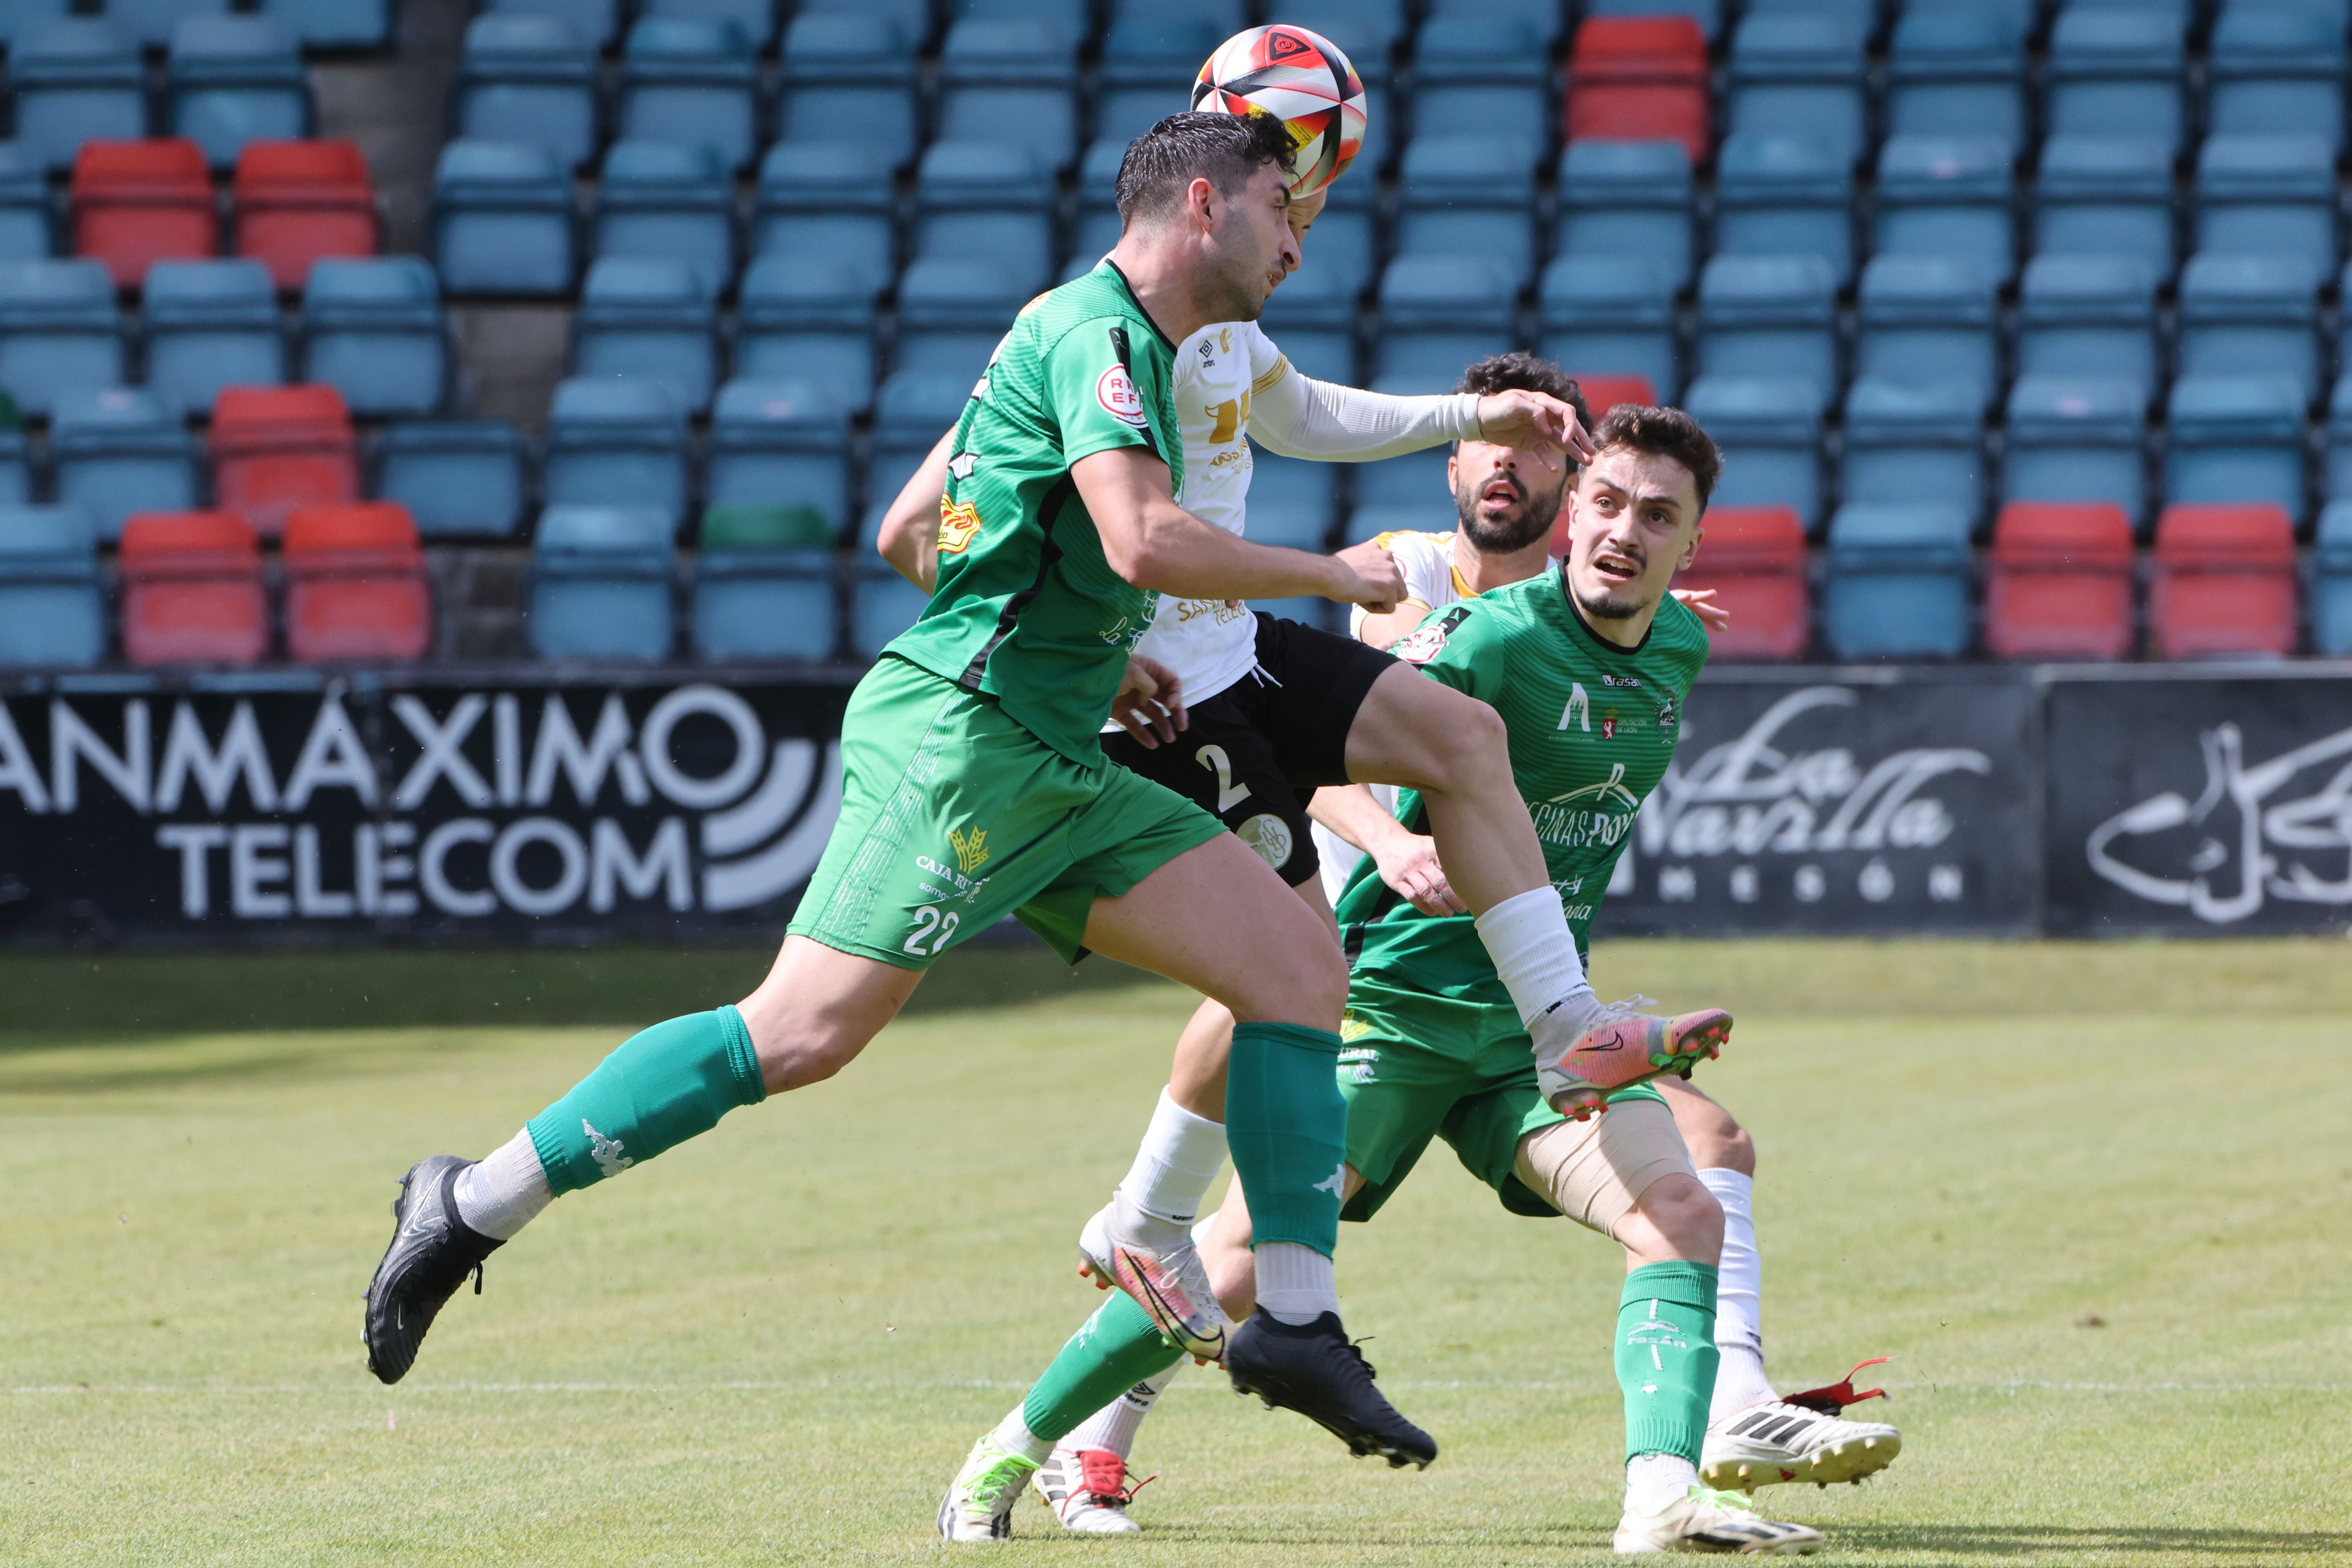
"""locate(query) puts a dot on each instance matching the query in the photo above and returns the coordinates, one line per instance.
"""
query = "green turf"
(774, 1345)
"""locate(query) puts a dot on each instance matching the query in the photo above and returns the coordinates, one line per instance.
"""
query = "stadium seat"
(1010, 82)
(2089, 315)
(1957, 70)
(355, 585)
(15, 457)
(372, 330)
(2116, 71)
(1612, 314)
(529, 78)
(276, 448)
(1226, 16)
(1420, 509)
(1481, 76)
(2078, 438)
(2105, 195)
(52, 607)
(192, 590)
(986, 201)
(2268, 196)
(829, 200)
(850, 78)
(1929, 320)
(25, 229)
(75, 80)
(1949, 196)
(235, 80)
(1797, 74)
(764, 585)
(1780, 194)
(29, 15)
(1366, 31)
(1291, 502)
(597, 22)
(755, 19)
(2331, 583)
(60, 331)
(1627, 198)
(1896, 582)
(212, 324)
(299, 201)
(1769, 316)
(953, 314)
(2223, 583)
(2058, 583)
(1341, 243)
(807, 319)
(464, 479)
(692, 82)
(502, 220)
(2235, 439)
(1605, 392)
(2274, 69)
(1438, 313)
(616, 440)
(600, 583)
(151, 21)
(1639, 78)
(1149, 60)
(2251, 314)
(651, 318)
(1312, 320)
(912, 411)
(1770, 431)
(121, 450)
(1904, 441)
(1706, 14)
(780, 443)
(137, 203)
(1753, 560)
(1097, 228)
(882, 605)
(334, 24)
(667, 201)
(2339, 440)
(1470, 196)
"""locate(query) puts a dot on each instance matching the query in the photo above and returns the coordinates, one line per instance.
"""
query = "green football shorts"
(953, 817)
(1414, 1067)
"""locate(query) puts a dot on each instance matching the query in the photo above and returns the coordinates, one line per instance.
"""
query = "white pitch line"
(175, 1391)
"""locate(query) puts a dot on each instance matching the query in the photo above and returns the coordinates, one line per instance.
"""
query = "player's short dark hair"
(1668, 432)
(1519, 371)
(1225, 150)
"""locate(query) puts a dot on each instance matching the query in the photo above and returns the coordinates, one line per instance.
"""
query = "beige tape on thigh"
(1593, 1171)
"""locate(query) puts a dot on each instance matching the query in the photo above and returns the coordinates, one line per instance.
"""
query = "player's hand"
(1369, 577)
(1702, 602)
(1535, 422)
(1408, 863)
(1151, 703)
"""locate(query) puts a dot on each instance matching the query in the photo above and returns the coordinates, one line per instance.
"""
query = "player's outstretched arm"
(909, 539)
(1322, 421)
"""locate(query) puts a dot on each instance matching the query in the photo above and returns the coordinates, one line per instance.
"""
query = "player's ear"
(1690, 551)
(1200, 203)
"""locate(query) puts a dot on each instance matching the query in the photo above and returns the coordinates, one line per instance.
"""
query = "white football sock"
(1739, 1380)
(1654, 1481)
(1294, 1282)
(503, 1192)
(1013, 1434)
(1527, 937)
(1114, 1426)
(1181, 1154)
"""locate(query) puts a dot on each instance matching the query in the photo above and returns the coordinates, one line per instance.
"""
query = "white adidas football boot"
(979, 1502)
(1088, 1491)
(1804, 1437)
(1704, 1520)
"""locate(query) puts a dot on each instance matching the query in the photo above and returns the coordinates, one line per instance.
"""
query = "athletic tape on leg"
(1666, 1357)
(661, 1087)
(1287, 1122)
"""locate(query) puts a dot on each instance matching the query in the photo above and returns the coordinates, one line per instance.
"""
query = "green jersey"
(1026, 610)
(1592, 727)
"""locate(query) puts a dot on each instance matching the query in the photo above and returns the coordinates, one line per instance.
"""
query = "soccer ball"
(1302, 79)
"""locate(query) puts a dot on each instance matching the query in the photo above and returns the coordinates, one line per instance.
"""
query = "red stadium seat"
(355, 585)
(1603, 393)
(1640, 78)
(138, 203)
(297, 201)
(2059, 583)
(1667, 40)
(2224, 581)
(275, 449)
(1754, 559)
(192, 589)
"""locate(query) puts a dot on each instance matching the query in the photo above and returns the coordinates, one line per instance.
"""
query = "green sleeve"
(1463, 645)
(1109, 379)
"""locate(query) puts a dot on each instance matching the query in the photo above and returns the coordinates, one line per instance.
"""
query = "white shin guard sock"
(1294, 1282)
(1526, 936)
(503, 1192)
(1739, 1380)
(1114, 1426)
(1654, 1481)
(1180, 1155)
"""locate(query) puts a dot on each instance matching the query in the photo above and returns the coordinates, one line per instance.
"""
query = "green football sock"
(1115, 1349)
(661, 1087)
(1287, 1123)
(1666, 1357)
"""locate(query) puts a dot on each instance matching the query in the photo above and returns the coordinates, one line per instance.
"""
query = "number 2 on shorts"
(927, 921)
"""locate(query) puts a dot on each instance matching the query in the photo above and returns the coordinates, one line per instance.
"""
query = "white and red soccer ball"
(1302, 79)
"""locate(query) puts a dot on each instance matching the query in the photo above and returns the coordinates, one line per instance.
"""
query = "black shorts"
(1257, 750)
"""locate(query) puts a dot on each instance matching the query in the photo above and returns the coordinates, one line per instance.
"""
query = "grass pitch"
(2094, 1199)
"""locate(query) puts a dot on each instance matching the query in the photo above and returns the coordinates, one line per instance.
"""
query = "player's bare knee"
(1300, 981)
(1685, 1217)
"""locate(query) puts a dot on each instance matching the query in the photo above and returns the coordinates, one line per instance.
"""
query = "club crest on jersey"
(1115, 390)
(1608, 725)
(1422, 646)
(959, 526)
(970, 849)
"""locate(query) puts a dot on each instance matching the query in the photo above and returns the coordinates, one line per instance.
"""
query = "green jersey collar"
(1129, 288)
(1576, 618)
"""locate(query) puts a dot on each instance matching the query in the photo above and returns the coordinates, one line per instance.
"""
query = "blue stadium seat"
(211, 324)
(1707, 14)
(151, 21)
(648, 318)
(52, 607)
(60, 331)
(1957, 70)
(831, 200)
(234, 79)
(810, 320)
(1857, 16)
(1627, 198)
(1291, 502)
(1097, 227)
(1482, 77)
(1149, 60)
(850, 78)
(372, 330)
(1949, 197)
(1769, 430)
(1611, 315)
(1470, 195)
(616, 440)
(465, 479)
(1008, 82)
(2268, 196)
(670, 200)
(75, 80)
(1929, 320)
(2338, 478)
(529, 78)
(760, 600)
(2077, 437)
(2276, 70)
(953, 314)
(2105, 195)
(780, 443)
(987, 201)
(2116, 71)
(1769, 316)
(1226, 17)
(2331, 582)
(2235, 439)
(1779, 195)
(2088, 315)
(1312, 320)
(1440, 312)
(121, 450)
(882, 605)
(755, 19)
(1366, 31)
(1799, 74)
(1067, 20)
(30, 15)
(912, 411)
(16, 461)
(334, 24)
(1896, 582)
(1341, 243)
(598, 21)
(601, 582)
(502, 220)
(25, 229)
(1905, 441)
(1428, 514)
(1417, 480)
(690, 81)
(1540, 17)
(2243, 315)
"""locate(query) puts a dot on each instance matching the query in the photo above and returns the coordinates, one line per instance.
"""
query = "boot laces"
(1102, 1476)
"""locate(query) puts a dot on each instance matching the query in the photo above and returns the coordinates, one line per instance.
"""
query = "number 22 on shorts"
(933, 927)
